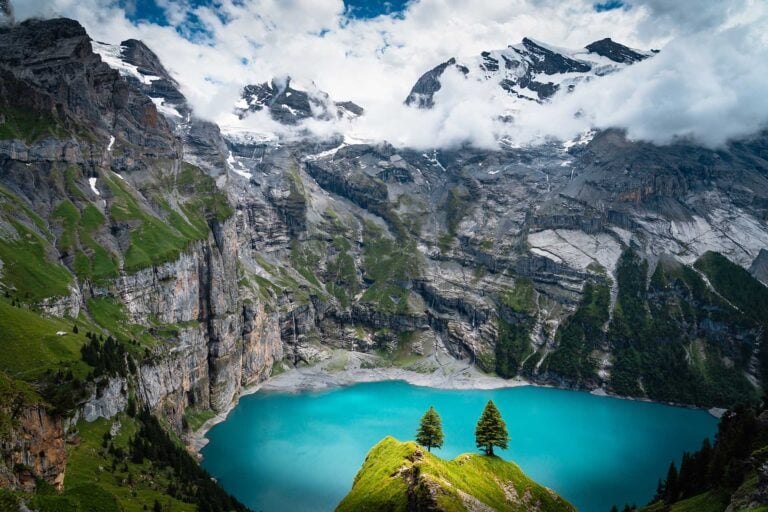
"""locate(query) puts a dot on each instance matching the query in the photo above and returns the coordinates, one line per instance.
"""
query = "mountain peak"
(617, 52)
(289, 105)
(531, 70)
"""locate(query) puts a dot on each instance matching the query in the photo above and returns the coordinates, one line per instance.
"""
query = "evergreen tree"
(671, 488)
(491, 430)
(430, 432)
(685, 477)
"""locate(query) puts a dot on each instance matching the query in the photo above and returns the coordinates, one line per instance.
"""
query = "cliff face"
(31, 439)
(103, 183)
(486, 255)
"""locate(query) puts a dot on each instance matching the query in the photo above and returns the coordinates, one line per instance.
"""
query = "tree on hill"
(430, 432)
(491, 430)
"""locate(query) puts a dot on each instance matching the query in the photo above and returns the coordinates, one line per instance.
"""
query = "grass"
(521, 298)
(390, 266)
(207, 199)
(13, 394)
(110, 315)
(28, 125)
(29, 345)
(707, 502)
(155, 240)
(27, 268)
(93, 472)
(152, 241)
(196, 418)
(91, 259)
(384, 482)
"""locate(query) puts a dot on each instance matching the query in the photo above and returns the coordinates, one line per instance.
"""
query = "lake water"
(300, 452)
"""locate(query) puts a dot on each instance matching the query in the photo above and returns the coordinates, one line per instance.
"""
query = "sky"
(707, 83)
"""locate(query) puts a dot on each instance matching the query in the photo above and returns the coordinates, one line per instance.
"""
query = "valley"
(155, 266)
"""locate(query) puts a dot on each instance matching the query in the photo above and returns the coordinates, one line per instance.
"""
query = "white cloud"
(706, 83)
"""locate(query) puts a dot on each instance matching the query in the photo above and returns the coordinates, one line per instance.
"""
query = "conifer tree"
(671, 489)
(430, 432)
(491, 430)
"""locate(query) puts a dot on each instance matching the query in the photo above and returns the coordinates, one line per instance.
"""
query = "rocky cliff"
(107, 221)
(31, 439)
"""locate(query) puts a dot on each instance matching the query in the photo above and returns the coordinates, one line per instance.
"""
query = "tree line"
(490, 430)
(740, 447)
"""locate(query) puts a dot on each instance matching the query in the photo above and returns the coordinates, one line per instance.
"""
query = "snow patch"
(326, 153)
(111, 142)
(92, 182)
(166, 110)
(112, 56)
(584, 138)
(237, 167)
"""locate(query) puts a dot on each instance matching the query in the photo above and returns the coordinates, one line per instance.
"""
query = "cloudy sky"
(708, 83)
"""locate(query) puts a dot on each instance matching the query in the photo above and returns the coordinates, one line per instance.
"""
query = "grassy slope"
(707, 502)
(29, 344)
(378, 485)
(132, 485)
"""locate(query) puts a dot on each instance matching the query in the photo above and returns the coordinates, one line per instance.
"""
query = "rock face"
(31, 439)
(428, 84)
(107, 148)
(37, 444)
(488, 252)
(615, 51)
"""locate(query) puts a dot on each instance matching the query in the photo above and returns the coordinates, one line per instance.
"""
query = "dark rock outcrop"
(615, 51)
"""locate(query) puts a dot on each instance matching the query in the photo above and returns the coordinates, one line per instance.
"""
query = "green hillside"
(402, 476)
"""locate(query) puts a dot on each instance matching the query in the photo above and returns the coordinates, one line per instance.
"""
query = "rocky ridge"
(531, 70)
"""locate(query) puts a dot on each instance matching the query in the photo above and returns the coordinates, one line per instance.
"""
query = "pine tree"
(430, 432)
(491, 430)
(671, 489)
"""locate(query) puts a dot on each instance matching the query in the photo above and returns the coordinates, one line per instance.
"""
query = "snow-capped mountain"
(142, 68)
(291, 106)
(531, 70)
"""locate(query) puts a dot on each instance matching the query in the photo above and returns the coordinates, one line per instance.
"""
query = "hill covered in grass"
(402, 476)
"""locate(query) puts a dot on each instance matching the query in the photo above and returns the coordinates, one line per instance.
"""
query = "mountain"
(151, 268)
(140, 67)
(290, 106)
(531, 70)
(107, 226)
(402, 476)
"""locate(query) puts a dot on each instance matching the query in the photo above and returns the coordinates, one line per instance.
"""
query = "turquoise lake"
(300, 452)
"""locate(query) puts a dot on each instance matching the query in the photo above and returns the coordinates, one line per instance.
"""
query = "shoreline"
(359, 368)
(455, 375)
